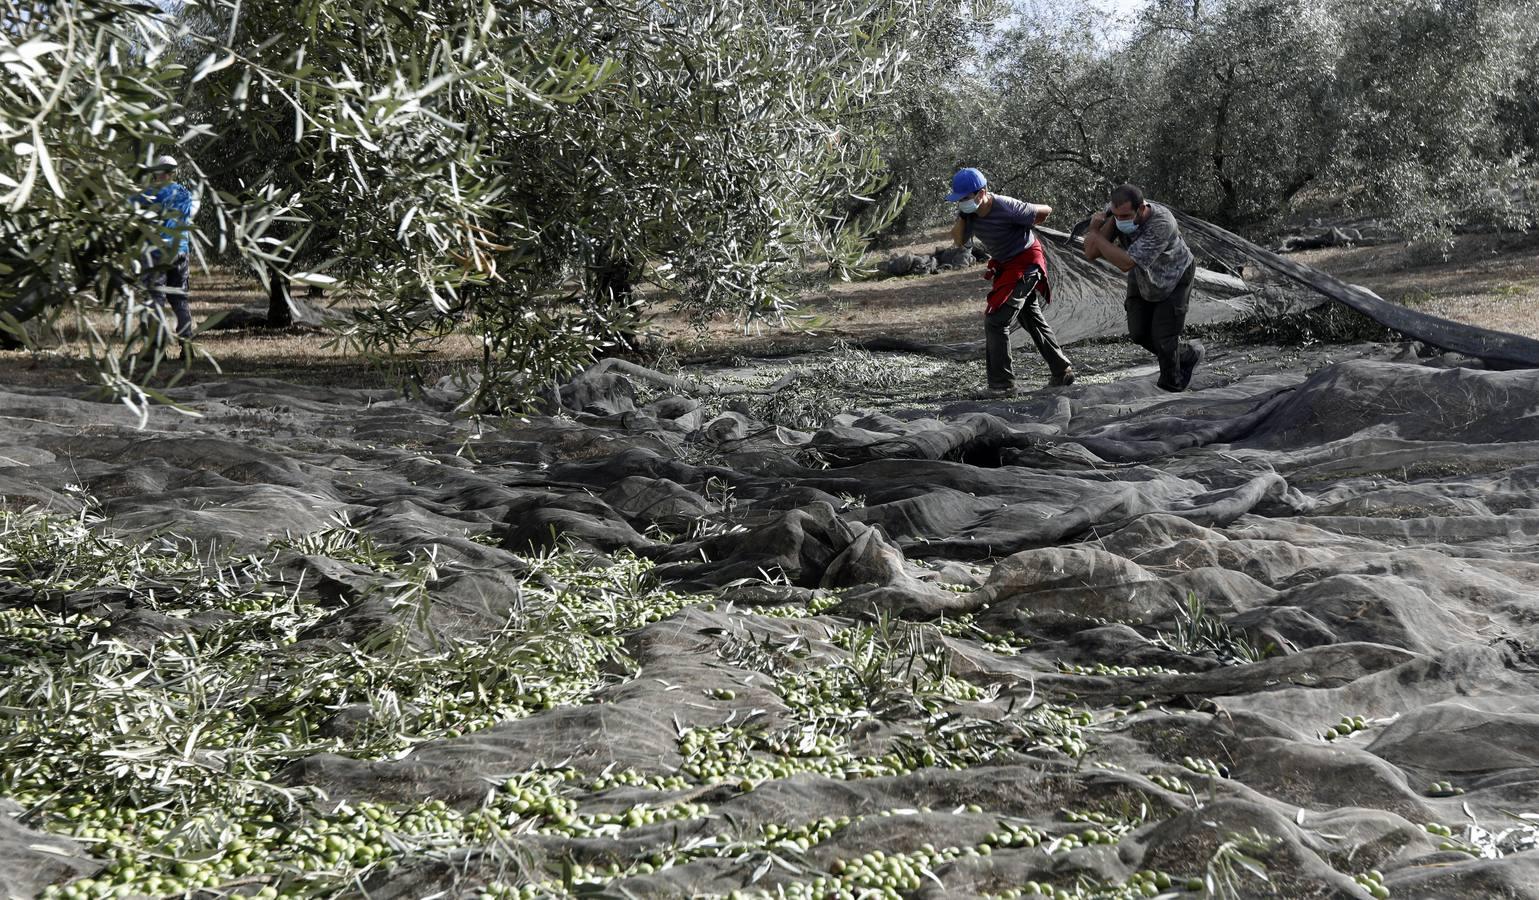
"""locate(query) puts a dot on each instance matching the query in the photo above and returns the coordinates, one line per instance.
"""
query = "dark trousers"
(167, 282)
(1156, 325)
(1024, 307)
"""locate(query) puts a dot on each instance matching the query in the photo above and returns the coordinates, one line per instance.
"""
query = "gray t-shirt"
(1006, 230)
(1159, 252)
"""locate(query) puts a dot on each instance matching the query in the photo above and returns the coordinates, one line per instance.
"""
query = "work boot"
(1191, 356)
(1062, 379)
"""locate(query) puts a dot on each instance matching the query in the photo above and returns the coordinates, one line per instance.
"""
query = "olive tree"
(1240, 110)
(725, 142)
(1425, 84)
(84, 102)
(511, 168)
(1249, 118)
(98, 88)
(1518, 112)
(939, 118)
(1224, 108)
(1070, 117)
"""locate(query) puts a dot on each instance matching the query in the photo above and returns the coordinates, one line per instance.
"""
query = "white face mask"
(967, 207)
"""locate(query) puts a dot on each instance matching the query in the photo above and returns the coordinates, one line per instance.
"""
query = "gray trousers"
(167, 283)
(1023, 306)
(1156, 325)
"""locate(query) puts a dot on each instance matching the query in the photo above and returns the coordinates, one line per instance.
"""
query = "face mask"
(1127, 227)
(967, 207)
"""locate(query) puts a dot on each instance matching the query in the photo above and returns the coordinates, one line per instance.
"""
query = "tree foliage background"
(1247, 111)
(513, 168)
(518, 168)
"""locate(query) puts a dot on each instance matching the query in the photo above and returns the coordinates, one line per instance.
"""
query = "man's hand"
(1097, 246)
(1095, 243)
(1096, 221)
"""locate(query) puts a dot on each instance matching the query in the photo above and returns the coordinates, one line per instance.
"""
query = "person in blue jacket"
(165, 262)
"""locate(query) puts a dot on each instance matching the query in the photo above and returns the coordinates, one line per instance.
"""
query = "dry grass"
(1486, 279)
(940, 308)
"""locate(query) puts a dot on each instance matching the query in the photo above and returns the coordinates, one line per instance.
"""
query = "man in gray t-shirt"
(1018, 270)
(1143, 240)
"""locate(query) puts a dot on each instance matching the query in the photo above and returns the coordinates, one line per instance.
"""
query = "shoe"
(1191, 356)
(1063, 380)
(996, 390)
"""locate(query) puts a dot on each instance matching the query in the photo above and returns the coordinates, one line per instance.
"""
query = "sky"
(1123, 11)
(1120, 6)
(1119, 14)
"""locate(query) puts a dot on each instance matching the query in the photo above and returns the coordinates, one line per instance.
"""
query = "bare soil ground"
(1486, 280)
(294, 355)
(938, 308)
(1489, 280)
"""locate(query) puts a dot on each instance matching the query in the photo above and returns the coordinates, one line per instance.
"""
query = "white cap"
(163, 164)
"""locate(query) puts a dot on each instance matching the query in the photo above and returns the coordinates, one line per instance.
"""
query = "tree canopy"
(1241, 110)
(514, 168)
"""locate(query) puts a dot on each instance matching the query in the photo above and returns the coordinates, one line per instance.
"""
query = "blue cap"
(967, 181)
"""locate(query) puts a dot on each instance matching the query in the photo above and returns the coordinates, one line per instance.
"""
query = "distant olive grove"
(518, 169)
(1244, 111)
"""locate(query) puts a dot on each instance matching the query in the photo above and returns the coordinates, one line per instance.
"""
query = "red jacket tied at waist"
(1009, 273)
